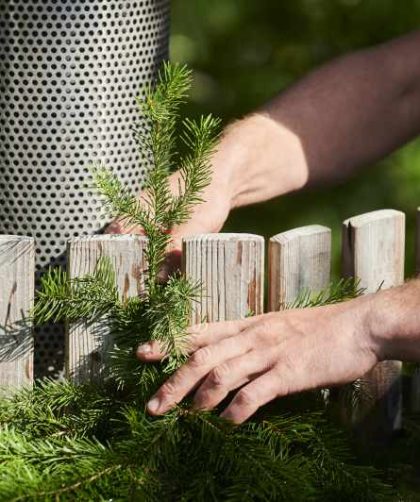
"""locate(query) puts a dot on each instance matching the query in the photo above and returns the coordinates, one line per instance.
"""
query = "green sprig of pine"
(63, 442)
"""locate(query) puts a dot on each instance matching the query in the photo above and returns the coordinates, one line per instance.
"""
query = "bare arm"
(339, 118)
(342, 116)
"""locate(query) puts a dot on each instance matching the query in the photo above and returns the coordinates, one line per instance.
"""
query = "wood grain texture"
(415, 391)
(373, 251)
(299, 259)
(86, 346)
(417, 250)
(230, 268)
(415, 378)
(17, 269)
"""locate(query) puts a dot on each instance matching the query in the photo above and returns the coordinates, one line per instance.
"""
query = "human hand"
(267, 357)
(252, 164)
(206, 217)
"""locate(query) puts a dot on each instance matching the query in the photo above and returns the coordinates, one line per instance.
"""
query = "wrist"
(258, 159)
(357, 314)
(394, 322)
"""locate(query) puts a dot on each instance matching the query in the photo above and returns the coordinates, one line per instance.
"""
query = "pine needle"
(65, 442)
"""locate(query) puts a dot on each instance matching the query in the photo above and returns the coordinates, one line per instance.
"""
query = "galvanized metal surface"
(69, 74)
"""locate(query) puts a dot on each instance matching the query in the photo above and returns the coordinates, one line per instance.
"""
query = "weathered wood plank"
(86, 346)
(417, 250)
(17, 269)
(415, 378)
(415, 391)
(299, 259)
(373, 251)
(230, 268)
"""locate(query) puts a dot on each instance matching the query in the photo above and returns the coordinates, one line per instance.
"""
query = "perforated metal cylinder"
(70, 71)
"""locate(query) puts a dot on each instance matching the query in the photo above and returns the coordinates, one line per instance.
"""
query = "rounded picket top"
(299, 259)
(230, 268)
(373, 249)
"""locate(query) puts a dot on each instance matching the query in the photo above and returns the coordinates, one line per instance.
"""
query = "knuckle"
(200, 357)
(190, 344)
(202, 397)
(198, 329)
(262, 329)
(287, 364)
(283, 382)
(167, 390)
(193, 339)
(292, 324)
(218, 375)
(244, 398)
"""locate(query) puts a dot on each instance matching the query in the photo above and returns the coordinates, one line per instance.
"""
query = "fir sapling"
(60, 441)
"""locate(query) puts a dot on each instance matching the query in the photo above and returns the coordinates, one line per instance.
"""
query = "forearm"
(347, 114)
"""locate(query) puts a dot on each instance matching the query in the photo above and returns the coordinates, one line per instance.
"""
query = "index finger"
(198, 336)
(202, 362)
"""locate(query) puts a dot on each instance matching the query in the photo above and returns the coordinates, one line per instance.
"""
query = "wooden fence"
(231, 269)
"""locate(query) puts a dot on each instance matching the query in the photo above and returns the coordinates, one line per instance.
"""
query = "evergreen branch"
(169, 314)
(63, 298)
(157, 140)
(117, 200)
(201, 138)
(337, 292)
(72, 487)
(61, 441)
(47, 452)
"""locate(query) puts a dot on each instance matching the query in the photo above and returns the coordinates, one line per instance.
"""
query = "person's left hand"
(269, 356)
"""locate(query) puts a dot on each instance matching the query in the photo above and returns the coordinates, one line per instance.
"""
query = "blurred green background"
(245, 51)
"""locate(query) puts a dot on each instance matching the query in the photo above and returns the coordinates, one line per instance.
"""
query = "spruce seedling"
(65, 442)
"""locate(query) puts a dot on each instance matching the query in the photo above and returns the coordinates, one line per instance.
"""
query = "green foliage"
(116, 450)
(160, 209)
(342, 290)
(63, 442)
(62, 298)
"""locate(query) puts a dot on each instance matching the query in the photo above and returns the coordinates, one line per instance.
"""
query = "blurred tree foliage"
(243, 52)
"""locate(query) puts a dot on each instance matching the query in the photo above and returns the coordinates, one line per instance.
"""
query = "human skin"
(343, 116)
(273, 355)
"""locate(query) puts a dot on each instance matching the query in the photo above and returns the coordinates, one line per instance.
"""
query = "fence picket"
(415, 378)
(299, 259)
(17, 269)
(373, 251)
(86, 346)
(230, 268)
(417, 242)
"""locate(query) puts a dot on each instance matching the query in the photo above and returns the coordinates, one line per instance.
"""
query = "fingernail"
(144, 349)
(153, 405)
